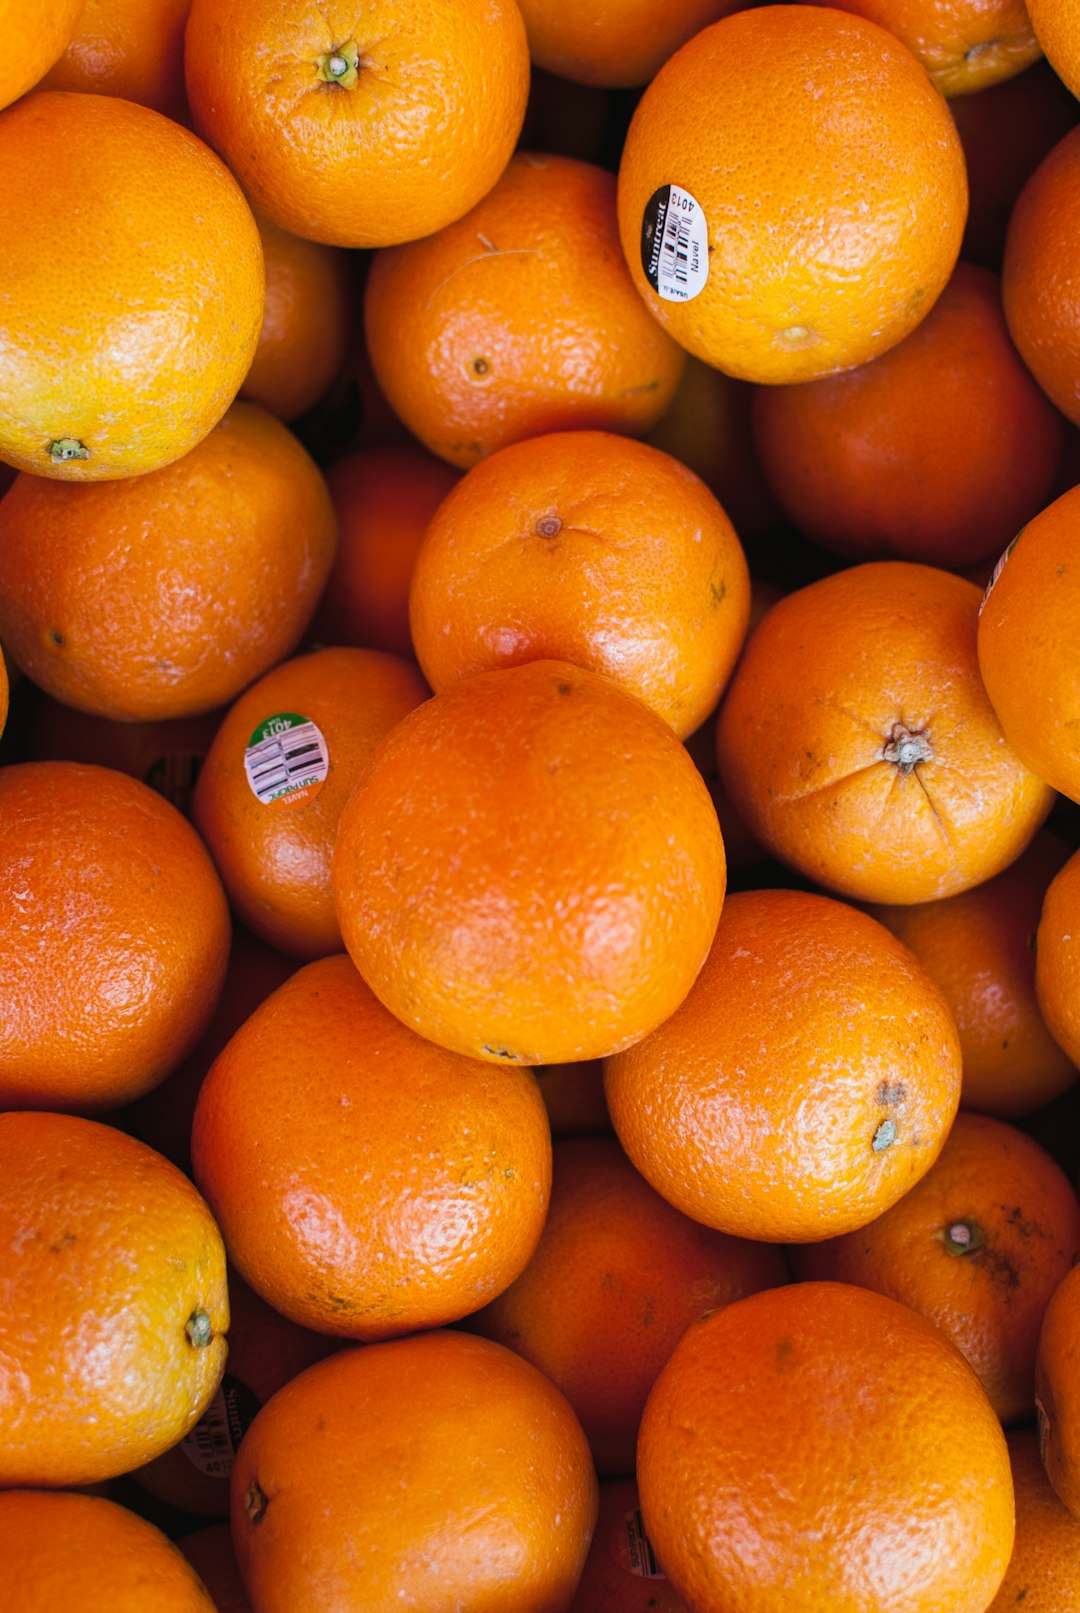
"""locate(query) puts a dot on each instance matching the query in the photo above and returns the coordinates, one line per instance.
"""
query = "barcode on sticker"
(640, 1555)
(209, 1446)
(674, 244)
(286, 754)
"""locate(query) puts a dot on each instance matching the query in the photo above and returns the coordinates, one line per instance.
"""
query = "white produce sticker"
(674, 244)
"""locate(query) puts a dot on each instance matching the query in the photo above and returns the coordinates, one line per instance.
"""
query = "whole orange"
(585, 546)
(130, 48)
(806, 1083)
(425, 103)
(1040, 274)
(114, 937)
(1057, 958)
(409, 1187)
(304, 340)
(1057, 1390)
(819, 1446)
(792, 193)
(128, 328)
(504, 880)
(166, 594)
(440, 1471)
(115, 1310)
(521, 318)
(857, 742)
(965, 45)
(1043, 1575)
(33, 40)
(613, 42)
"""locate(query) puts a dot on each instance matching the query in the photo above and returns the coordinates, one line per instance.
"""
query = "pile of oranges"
(539, 838)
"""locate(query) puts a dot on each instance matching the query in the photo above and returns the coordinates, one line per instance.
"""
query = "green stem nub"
(199, 1329)
(962, 1237)
(61, 449)
(341, 66)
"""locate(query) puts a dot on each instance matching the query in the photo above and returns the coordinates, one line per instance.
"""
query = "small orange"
(504, 881)
(384, 497)
(978, 1246)
(613, 42)
(820, 1446)
(792, 193)
(585, 546)
(304, 340)
(1057, 1391)
(210, 1552)
(807, 1082)
(858, 744)
(130, 48)
(128, 328)
(521, 318)
(438, 1472)
(166, 594)
(115, 1305)
(1055, 25)
(281, 768)
(114, 937)
(621, 1573)
(409, 1187)
(1043, 1575)
(34, 38)
(425, 103)
(1057, 958)
(1040, 274)
(965, 45)
(617, 1277)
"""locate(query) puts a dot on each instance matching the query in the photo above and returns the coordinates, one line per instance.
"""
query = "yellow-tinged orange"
(34, 37)
(307, 322)
(130, 48)
(965, 45)
(1055, 25)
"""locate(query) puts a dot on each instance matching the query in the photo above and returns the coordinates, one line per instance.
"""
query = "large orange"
(857, 742)
(820, 1446)
(440, 1471)
(281, 768)
(34, 37)
(426, 103)
(613, 42)
(164, 595)
(1040, 274)
(1055, 25)
(112, 1331)
(114, 937)
(1057, 1390)
(130, 48)
(792, 193)
(408, 1188)
(1043, 1575)
(978, 1246)
(585, 546)
(307, 322)
(965, 45)
(521, 318)
(128, 327)
(1057, 958)
(807, 1082)
(504, 879)
(617, 1277)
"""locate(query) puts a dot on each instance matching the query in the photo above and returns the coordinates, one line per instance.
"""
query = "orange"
(409, 1187)
(573, 1096)
(165, 595)
(1057, 1391)
(4, 691)
(210, 1552)
(965, 45)
(585, 546)
(115, 1309)
(128, 327)
(617, 1277)
(1040, 274)
(306, 324)
(80, 1551)
(979, 948)
(425, 103)
(281, 768)
(1043, 1575)
(130, 48)
(978, 1246)
(33, 39)
(621, 1573)
(938, 450)
(440, 1471)
(1057, 958)
(822, 1446)
(519, 319)
(114, 937)
(1028, 654)
(792, 193)
(807, 1082)
(857, 742)
(1055, 26)
(504, 880)
(613, 42)
(384, 497)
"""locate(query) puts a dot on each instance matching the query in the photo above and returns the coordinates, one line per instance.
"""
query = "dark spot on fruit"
(564, 688)
(549, 526)
(891, 1092)
(256, 1502)
(480, 365)
(57, 637)
(498, 1052)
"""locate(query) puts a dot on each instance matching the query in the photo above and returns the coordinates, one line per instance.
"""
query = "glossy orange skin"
(619, 1571)
(177, 290)
(429, 117)
(832, 183)
(1028, 654)
(503, 880)
(822, 1446)
(439, 1469)
(1040, 275)
(114, 938)
(807, 1082)
(130, 48)
(1017, 1210)
(210, 1552)
(613, 42)
(965, 45)
(107, 1252)
(519, 319)
(1057, 958)
(979, 948)
(1055, 26)
(939, 450)
(274, 857)
(834, 677)
(1057, 1391)
(585, 546)
(1044, 1570)
(304, 340)
(412, 1186)
(165, 595)
(63, 1550)
(616, 1279)
(384, 497)
(33, 40)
